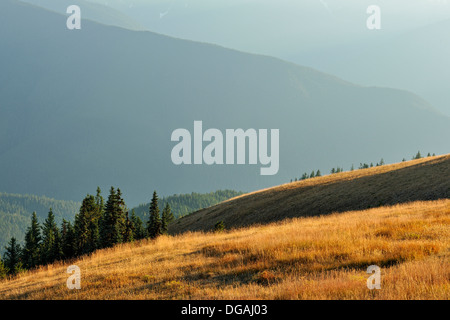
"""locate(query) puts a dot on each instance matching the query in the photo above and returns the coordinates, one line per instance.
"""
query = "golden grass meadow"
(322, 257)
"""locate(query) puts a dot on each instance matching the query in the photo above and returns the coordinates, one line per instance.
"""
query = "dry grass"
(416, 180)
(303, 258)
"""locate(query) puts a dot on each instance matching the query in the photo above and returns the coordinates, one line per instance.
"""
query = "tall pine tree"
(139, 231)
(166, 219)
(86, 226)
(128, 235)
(68, 240)
(51, 240)
(12, 257)
(112, 227)
(154, 222)
(30, 252)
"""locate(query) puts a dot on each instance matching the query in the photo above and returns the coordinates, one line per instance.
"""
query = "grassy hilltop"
(316, 257)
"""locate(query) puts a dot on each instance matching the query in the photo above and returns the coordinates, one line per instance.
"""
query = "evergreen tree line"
(338, 169)
(97, 225)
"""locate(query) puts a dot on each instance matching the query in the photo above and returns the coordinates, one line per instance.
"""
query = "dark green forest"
(99, 223)
(16, 210)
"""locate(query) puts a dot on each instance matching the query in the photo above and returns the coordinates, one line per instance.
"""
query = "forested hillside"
(183, 204)
(16, 210)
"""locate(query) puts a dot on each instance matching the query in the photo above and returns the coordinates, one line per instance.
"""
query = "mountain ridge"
(416, 180)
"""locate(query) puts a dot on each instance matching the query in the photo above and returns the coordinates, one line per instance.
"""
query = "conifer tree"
(154, 222)
(167, 218)
(138, 227)
(68, 240)
(113, 220)
(312, 175)
(107, 227)
(51, 240)
(30, 252)
(128, 235)
(100, 202)
(318, 173)
(12, 257)
(121, 214)
(86, 226)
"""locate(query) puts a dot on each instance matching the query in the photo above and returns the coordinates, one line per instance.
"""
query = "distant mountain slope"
(92, 11)
(183, 204)
(416, 60)
(97, 106)
(16, 210)
(424, 179)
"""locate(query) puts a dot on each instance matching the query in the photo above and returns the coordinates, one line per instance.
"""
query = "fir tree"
(312, 175)
(128, 235)
(68, 240)
(167, 218)
(121, 214)
(318, 173)
(86, 226)
(51, 240)
(12, 257)
(113, 220)
(154, 222)
(138, 227)
(30, 252)
(99, 202)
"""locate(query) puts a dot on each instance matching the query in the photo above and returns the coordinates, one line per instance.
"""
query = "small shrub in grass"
(219, 226)
(265, 277)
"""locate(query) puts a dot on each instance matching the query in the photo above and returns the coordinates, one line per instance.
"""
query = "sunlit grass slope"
(322, 257)
(416, 180)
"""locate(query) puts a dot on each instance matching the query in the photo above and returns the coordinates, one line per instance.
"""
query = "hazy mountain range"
(97, 106)
(409, 52)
